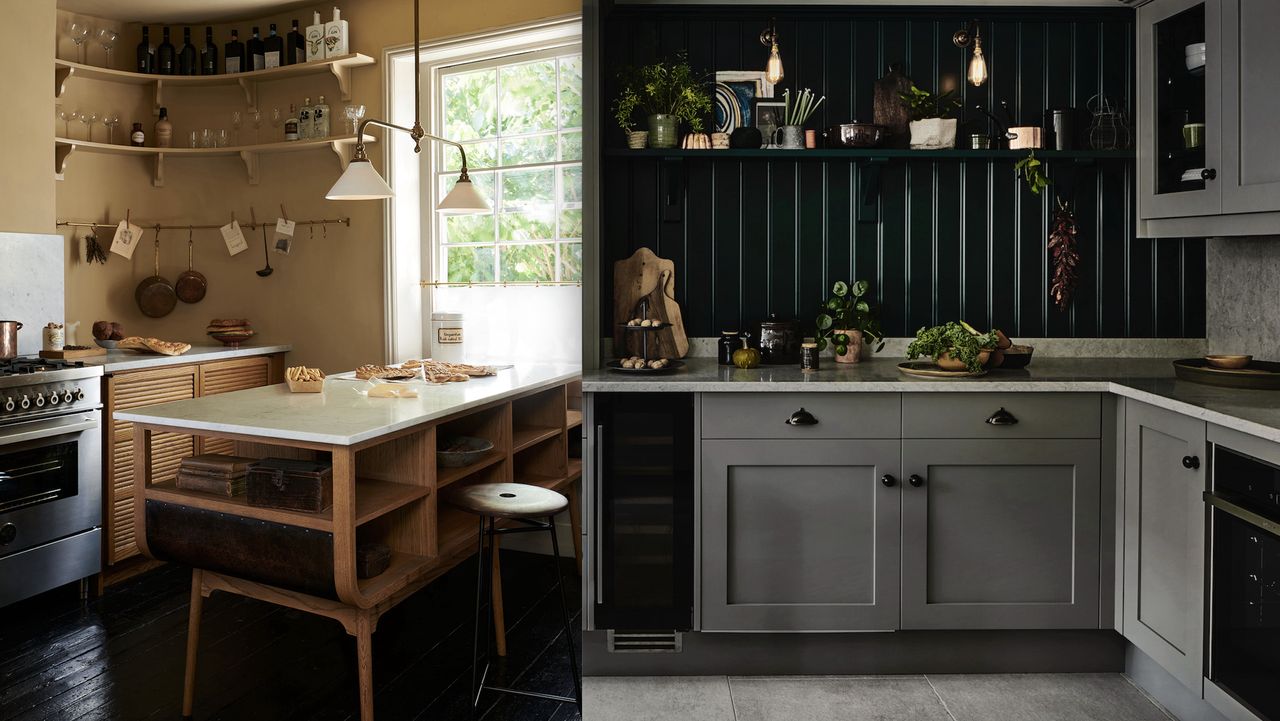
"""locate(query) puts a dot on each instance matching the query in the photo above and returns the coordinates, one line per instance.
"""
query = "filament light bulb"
(773, 70)
(977, 65)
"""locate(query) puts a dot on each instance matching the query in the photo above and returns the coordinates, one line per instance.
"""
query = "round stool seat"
(509, 500)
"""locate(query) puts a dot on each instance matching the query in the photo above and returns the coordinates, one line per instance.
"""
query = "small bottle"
(295, 46)
(335, 35)
(809, 355)
(146, 53)
(164, 130)
(320, 119)
(304, 120)
(314, 39)
(273, 49)
(137, 138)
(209, 55)
(728, 344)
(166, 60)
(235, 54)
(291, 124)
(254, 51)
(188, 58)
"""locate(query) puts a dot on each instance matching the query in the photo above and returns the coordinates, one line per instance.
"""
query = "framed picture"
(735, 92)
(763, 88)
(768, 116)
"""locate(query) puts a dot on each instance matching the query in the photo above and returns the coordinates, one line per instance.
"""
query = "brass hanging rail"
(162, 226)
(497, 283)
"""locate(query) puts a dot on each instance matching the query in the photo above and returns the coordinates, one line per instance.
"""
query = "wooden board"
(72, 354)
(646, 277)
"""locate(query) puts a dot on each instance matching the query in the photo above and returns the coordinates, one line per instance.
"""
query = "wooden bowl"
(465, 450)
(1228, 361)
(947, 363)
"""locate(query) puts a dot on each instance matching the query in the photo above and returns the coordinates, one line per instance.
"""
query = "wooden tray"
(617, 366)
(71, 354)
(660, 326)
(1258, 375)
(929, 369)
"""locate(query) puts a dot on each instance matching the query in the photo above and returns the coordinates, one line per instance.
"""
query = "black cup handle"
(1002, 418)
(802, 418)
(1208, 174)
(1191, 462)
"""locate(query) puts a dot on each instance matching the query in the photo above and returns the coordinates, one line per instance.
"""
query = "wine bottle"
(166, 56)
(295, 46)
(273, 49)
(291, 124)
(255, 49)
(320, 119)
(146, 53)
(188, 60)
(209, 55)
(304, 120)
(235, 54)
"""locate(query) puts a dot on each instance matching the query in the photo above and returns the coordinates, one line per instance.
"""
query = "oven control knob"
(39, 400)
(53, 398)
(25, 403)
(67, 397)
(9, 404)
(79, 394)
(8, 533)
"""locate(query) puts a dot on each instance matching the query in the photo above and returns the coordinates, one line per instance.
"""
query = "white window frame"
(410, 219)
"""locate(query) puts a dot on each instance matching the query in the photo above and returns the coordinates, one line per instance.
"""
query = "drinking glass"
(88, 119)
(236, 120)
(195, 139)
(206, 138)
(111, 121)
(79, 32)
(221, 139)
(107, 39)
(354, 114)
(66, 118)
(255, 117)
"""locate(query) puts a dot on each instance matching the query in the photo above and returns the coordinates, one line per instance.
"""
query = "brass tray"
(1258, 375)
(617, 366)
(929, 369)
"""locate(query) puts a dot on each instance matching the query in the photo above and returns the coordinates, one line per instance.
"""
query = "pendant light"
(773, 67)
(361, 182)
(963, 38)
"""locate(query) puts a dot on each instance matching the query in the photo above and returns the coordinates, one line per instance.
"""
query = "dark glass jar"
(809, 355)
(727, 345)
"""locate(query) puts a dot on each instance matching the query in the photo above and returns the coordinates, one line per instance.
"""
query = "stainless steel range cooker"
(50, 475)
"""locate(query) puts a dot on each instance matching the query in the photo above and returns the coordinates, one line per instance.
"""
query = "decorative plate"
(929, 369)
(728, 114)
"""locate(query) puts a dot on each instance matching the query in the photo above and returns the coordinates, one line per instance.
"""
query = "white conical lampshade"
(464, 198)
(359, 182)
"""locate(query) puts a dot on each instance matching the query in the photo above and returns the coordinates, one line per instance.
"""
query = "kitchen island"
(387, 489)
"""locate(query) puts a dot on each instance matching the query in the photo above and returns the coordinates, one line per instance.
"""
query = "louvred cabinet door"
(224, 377)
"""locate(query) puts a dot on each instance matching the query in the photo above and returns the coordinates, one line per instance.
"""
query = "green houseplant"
(955, 346)
(666, 93)
(846, 320)
(932, 128)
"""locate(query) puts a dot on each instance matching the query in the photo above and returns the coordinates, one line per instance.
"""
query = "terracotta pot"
(852, 354)
(947, 363)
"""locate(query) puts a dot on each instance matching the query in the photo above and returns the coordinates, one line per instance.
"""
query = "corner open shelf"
(341, 146)
(340, 67)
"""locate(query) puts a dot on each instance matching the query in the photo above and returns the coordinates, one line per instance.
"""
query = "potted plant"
(932, 128)
(955, 346)
(667, 93)
(846, 320)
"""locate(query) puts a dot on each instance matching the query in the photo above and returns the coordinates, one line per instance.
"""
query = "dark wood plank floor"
(121, 656)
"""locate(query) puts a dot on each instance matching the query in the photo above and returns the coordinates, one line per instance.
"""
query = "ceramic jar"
(664, 131)
(780, 341)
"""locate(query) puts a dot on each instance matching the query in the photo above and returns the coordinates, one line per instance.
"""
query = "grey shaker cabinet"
(1250, 106)
(800, 535)
(1000, 534)
(1164, 539)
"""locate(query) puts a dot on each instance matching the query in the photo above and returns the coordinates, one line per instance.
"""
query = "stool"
(527, 506)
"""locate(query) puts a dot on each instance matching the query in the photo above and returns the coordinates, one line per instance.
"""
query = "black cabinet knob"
(1002, 418)
(802, 418)
(915, 481)
(8, 532)
(888, 480)
(1191, 462)
(1208, 174)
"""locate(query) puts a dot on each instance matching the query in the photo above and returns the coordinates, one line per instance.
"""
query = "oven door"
(1244, 634)
(50, 479)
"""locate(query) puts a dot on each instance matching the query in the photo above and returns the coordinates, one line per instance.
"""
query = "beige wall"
(26, 133)
(327, 297)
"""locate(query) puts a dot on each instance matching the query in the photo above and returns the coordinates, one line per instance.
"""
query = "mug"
(790, 137)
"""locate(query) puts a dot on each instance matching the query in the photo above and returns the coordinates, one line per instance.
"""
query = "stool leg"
(193, 642)
(476, 678)
(564, 611)
(364, 665)
(499, 618)
(575, 522)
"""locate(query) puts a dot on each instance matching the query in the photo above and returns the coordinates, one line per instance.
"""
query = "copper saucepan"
(9, 339)
(191, 285)
(155, 295)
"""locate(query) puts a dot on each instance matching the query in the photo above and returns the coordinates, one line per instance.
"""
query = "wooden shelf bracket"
(342, 72)
(869, 189)
(250, 89)
(60, 155)
(250, 159)
(60, 77)
(157, 177)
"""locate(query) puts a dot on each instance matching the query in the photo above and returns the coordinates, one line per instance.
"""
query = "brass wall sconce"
(965, 37)
(773, 68)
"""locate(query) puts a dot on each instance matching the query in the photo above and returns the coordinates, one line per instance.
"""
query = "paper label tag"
(284, 226)
(448, 335)
(234, 238)
(126, 239)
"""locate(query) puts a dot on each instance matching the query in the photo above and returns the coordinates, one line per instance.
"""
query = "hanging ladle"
(265, 255)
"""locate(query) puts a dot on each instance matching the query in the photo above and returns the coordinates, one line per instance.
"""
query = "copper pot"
(855, 135)
(155, 295)
(9, 339)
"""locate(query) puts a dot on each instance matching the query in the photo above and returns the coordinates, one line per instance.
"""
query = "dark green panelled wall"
(953, 238)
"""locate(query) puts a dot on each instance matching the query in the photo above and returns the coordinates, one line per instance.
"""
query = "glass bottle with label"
(235, 54)
(295, 46)
(166, 56)
(273, 49)
(209, 55)
(291, 124)
(164, 129)
(188, 58)
(137, 138)
(146, 53)
(320, 119)
(304, 120)
(254, 53)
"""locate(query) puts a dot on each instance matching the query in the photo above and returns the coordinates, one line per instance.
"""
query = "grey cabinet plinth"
(1000, 534)
(800, 535)
(1164, 539)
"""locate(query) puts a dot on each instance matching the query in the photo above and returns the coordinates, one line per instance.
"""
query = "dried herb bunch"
(1065, 255)
(93, 251)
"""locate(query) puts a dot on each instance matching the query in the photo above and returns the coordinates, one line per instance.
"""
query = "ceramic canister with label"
(446, 337)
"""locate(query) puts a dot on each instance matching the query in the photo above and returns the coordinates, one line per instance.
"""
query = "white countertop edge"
(118, 361)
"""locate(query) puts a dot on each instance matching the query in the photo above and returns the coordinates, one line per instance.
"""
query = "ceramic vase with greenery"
(932, 128)
(847, 321)
(667, 94)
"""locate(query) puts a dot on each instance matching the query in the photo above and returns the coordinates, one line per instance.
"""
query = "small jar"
(54, 337)
(137, 138)
(809, 355)
(446, 337)
(728, 344)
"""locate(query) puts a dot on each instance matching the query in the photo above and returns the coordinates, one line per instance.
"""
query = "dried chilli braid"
(1065, 255)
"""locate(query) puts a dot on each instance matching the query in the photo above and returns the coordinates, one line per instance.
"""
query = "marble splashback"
(31, 284)
(1242, 308)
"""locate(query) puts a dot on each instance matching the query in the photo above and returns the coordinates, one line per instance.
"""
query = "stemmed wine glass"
(111, 120)
(88, 119)
(66, 119)
(107, 39)
(354, 114)
(79, 32)
(255, 117)
(236, 121)
(276, 121)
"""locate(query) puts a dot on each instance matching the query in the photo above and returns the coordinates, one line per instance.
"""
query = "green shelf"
(866, 154)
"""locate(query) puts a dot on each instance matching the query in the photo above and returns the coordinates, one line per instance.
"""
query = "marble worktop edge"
(116, 361)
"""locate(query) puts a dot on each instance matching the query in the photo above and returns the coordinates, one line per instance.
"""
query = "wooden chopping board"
(645, 276)
(71, 354)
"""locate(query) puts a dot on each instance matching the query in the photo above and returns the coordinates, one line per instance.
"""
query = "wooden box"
(372, 559)
(293, 485)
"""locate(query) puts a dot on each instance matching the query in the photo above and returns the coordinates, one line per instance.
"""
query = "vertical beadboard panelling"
(953, 239)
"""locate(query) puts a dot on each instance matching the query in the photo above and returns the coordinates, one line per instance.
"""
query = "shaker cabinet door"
(800, 535)
(1000, 534)
(1251, 106)
(1164, 526)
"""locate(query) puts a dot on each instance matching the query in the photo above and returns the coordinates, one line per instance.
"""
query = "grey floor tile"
(666, 698)
(836, 698)
(1045, 697)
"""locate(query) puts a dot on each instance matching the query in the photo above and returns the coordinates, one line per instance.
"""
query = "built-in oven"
(1244, 633)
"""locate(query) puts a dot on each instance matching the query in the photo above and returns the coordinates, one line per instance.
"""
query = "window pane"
(524, 188)
(470, 105)
(468, 228)
(571, 223)
(481, 154)
(571, 261)
(529, 150)
(571, 92)
(470, 263)
(529, 262)
(527, 226)
(571, 184)
(571, 146)
(528, 97)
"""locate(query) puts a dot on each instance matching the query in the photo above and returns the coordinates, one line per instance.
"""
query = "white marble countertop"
(341, 415)
(126, 360)
(1150, 380)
